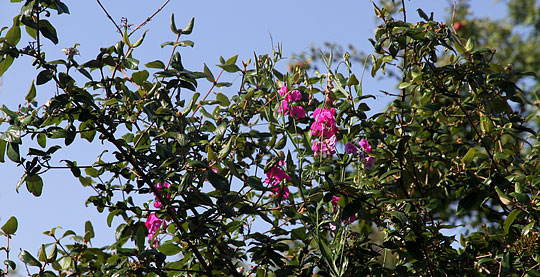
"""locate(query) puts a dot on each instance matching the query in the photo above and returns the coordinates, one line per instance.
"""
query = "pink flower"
(274, 177)
(283, 90)
(159, 186)
(284, 107)
(295, 95)
(370, 163)
(325, 122)
(350, 148)
(298, 112)
(326, 146)
(365, 145)
(153, 223)
(279, 194)
(335, 200)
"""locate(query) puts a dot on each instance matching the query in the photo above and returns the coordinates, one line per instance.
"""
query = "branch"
(109, 16)
(149, 18)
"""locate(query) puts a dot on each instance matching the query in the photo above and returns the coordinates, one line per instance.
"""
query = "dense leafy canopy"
(288, 175)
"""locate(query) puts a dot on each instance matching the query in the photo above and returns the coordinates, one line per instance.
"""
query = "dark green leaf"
(156, 64)
(139, 41)
(13, 152)
(5, 63)
(11, 264)
(223, 100)
(10, 227)
(189, 27)
(3, 145)
(34, 184)
(48, 31)
(31, 93)
(28, 259)
(173, 25)
(140, 77)
(169, 249)
(209, 75)
(44, 77)
(88, 231)
(231, 68)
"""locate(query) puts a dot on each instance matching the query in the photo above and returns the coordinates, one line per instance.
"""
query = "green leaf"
(28, 259)
(131, 63)
(88, 231)
(485, 124)
(231, 60)
(10, 227)
(231, 68)
(125, 37)
(469, 45)
(218, 181)
(13, 152)
(13, 36)
(42, 256)
(226, 149)
(111, 216)
(90, 171)
(156, 64)
(21, 181)
(52, 254)
(189, 27)
(44, 77)
(12, 134)
(191, 103)
(140, 238)
(209, 75)
(31, 93)
(469, 156)
(5, 63)
(140, 77)
(173, 25)
(48, 31)
(470, 201)
(223, 100)
(3, 145)
(139, 41)
(169, 249)
(11, 264)
(34, 184)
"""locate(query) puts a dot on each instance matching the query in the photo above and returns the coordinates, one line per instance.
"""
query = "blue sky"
(222, 28)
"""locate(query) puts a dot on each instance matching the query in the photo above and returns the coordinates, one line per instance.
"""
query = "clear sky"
(222, 28)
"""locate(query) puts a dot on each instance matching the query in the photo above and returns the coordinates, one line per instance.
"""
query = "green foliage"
(455, 148)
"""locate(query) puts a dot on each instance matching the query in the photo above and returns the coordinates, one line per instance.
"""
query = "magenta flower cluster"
(274, 176)
(297, 112)
(154, 223)
(325, 129)
(369, 161)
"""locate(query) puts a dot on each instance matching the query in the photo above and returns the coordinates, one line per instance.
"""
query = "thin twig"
(208, 93)
(109, 16)
(149, 18)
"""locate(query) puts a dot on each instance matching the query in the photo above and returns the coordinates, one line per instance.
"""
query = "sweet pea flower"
(274, 176)
(295, 95)
(281, 194)
(325, 122)
(159, 186)
(298, 112)
(283, 90)
(370, 163)
(326, 146)
(350, 148)
(365, 145)
(153, 223)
